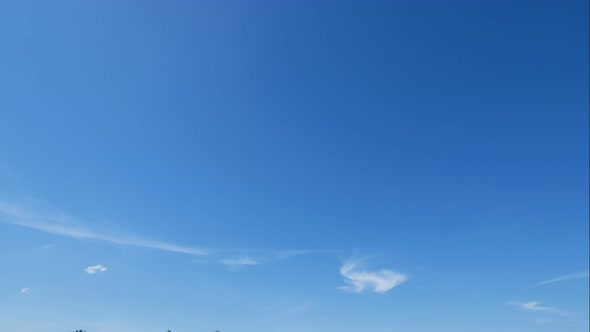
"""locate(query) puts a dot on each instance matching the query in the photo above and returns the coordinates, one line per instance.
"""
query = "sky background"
(294, 166)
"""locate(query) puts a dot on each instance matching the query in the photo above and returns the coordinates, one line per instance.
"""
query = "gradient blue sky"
(294, 166)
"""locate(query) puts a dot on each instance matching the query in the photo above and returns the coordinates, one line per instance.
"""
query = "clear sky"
(294, 166)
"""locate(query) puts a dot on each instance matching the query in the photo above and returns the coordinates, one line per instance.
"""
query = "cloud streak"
(579, 275)
(359, 280)
(59, 225)
(536, 306)
(63, 225)
(239, 262)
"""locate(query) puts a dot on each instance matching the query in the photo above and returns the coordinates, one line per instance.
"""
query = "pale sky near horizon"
(294, 166)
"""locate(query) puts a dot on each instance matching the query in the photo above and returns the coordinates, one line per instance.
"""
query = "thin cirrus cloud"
(95, 269)
(360, 280)
(579, 275)
(237, 259)
(61, 225)
(239, 262)
(536, 306)
(26, 290)
(66, 226)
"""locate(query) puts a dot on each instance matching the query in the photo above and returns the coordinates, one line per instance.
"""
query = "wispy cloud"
(239, 262)
(64, 225)
(94, 269)
(578, 275)
(536, 306)
(360, 280)
(26, 290)
(61, 225)
(238, 258)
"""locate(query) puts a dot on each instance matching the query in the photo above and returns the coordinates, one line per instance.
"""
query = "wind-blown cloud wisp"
(379, 281)
(578, 275)
(536, 306)
(56, 225)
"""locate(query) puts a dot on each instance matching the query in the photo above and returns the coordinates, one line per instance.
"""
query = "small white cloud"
(236, 263)
(94, 269)
(536, 306)
(379, 281)
(26, 290)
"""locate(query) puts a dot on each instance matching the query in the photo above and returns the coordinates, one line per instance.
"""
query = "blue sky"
(294, 166)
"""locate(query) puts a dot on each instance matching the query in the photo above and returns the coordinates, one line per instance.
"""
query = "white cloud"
(536, 306)
(379, 281)
(62, 225)
(94, 269)
(578, 275)
(26, 290)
